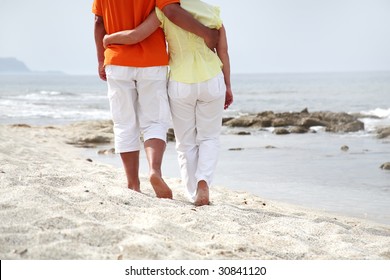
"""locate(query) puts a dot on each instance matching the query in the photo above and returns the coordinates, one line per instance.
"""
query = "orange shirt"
(120, 15)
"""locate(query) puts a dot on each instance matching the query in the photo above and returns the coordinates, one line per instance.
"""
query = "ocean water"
(305, 169)
(51, 99)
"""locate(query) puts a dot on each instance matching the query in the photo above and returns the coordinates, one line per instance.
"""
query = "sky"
(265, 36)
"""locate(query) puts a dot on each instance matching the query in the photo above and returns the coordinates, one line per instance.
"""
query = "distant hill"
(12, 65)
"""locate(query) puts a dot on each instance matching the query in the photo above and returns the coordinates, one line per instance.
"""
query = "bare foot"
(135, 187)
(202, 194)
(160, 187)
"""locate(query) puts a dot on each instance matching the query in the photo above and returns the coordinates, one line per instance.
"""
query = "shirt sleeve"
(96, 8)
(162, 3)
(217, 17)
(208, 15)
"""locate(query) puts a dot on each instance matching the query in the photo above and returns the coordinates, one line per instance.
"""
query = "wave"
(53, 96)
(378, 112)
(373, 119)
(38, 112)
(44, 94)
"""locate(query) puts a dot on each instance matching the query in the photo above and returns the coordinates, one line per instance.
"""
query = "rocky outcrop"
(96, 133)
(90, 134)
(299, 122)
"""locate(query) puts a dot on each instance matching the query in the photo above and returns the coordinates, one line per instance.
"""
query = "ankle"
(135, 186)
(202, 194)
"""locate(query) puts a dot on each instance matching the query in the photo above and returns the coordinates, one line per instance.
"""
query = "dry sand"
(55, 204)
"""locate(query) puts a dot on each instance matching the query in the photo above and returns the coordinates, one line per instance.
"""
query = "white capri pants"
(197, 119)
(139, 105)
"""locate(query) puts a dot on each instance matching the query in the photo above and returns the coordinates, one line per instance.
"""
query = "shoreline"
(55, 204)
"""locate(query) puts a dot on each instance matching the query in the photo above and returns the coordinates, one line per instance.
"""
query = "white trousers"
(139, 105)
(196, 111)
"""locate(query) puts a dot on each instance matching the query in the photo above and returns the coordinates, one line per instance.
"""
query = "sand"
(57, 204)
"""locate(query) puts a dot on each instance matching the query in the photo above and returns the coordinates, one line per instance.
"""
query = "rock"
(344, 148)
(95, 139)
(334, 122)
(270, 147)
(243, 121)
(23, 125)
(107, 152)
(171, 135)
(267, 114)
(243, 133)
(262, 122)
(299, 129)
(365, 116)
(346, 127)
(305, 111)
(83, 145)
(281, 131)
(225, 120)
(309, 122)
(236, 149)
(385, 166)
(383, 132)
(89, 134)
(282, 122)
(353, 126)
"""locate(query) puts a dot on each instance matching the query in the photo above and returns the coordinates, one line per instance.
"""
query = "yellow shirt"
(190, 60)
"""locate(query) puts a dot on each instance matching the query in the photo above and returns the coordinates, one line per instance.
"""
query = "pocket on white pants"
(179, 90)
(153, 73)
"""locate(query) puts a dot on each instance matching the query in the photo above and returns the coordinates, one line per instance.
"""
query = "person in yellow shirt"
(199, 89)
(136, 76)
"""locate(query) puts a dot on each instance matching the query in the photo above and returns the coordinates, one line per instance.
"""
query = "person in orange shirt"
(136, 76)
